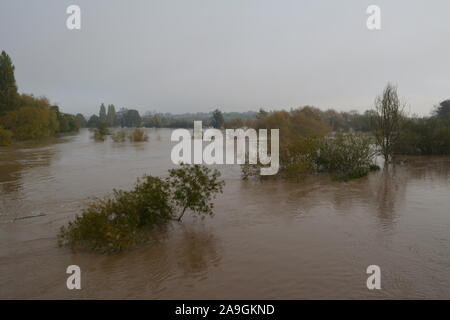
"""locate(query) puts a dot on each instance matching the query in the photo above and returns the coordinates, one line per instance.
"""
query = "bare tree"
(388, 118)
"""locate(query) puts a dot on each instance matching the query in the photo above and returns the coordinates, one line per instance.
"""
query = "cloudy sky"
(187, 56)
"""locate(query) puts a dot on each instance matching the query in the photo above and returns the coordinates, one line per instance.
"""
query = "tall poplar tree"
(102, 114)
(9, 97)
(111, 116)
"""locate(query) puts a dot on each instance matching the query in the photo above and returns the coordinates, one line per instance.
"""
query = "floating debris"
(39, 214)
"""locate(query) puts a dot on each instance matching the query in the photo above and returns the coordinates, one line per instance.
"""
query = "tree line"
(345, 144)
(122, 118)
(23, 116)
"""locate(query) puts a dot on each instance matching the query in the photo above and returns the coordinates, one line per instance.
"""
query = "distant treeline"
(131, 118)
(186, 120)
(336, 120)
(426, 135)
(24, 116)
(122, 118)
(414, 135)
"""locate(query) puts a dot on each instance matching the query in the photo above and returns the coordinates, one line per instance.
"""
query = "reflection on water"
(275, 239)
(390, 191)
(14, 163)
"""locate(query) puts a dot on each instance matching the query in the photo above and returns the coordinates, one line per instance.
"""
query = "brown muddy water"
(269, 240)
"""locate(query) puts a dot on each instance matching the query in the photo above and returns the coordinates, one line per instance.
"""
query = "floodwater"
(267, 240)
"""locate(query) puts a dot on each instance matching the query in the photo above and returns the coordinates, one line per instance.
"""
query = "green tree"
(443, 110)
(81, 120)
(217, 120)
(63, 125)
(131, 119)
(262, 113)
(193, 188)
(425, 136)
(93, 122)
(5, 137)
(388, 120)
(102, 114)
(72, 122)
(9, 97)
(34, 119)
(111, 116)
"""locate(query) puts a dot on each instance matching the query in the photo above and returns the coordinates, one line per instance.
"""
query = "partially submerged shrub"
(113, 224)
(138, 135)
(98, 136)
(301, 130)
(101, 132)
(5, 137)
(249, 170)
(298, 156)
(116, 223)
(347, 155)
(344, 155)
(119, 136)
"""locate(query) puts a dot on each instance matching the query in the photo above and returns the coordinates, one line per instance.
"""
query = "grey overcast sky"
(195, 55)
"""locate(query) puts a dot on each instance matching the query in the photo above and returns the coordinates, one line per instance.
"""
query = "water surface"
(267, 240)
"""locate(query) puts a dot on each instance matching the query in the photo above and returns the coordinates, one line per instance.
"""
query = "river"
(267, 240)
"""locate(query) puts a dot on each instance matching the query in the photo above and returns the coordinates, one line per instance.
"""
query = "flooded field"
(267, 240)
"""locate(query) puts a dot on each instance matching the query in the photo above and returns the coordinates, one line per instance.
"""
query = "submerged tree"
(387, 121)
(118, 222)
(193, 188)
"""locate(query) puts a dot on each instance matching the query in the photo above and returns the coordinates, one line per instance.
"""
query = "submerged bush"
(138, 135)
(112, 224)
(347, 155)
(123, 220)
(119, 136)
(297, 157)
(101, 132)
